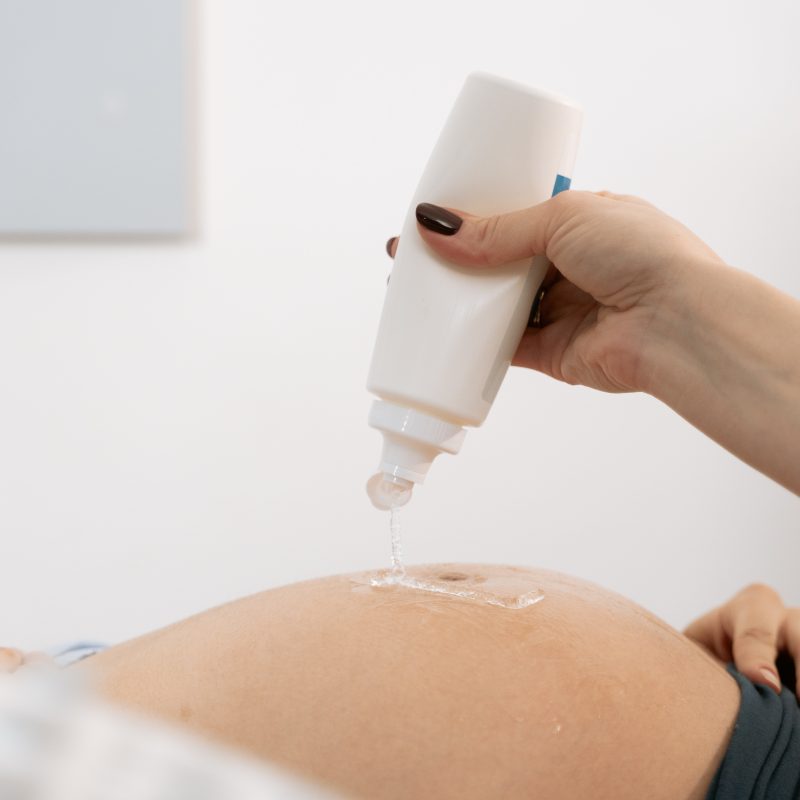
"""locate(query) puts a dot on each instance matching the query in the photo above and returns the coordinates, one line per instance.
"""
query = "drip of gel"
(507, 587)
(398, 571)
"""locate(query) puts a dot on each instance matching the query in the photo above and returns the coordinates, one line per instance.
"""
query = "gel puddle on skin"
(507, 587)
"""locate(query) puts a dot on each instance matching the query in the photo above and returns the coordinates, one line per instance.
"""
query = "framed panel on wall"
(95, 128)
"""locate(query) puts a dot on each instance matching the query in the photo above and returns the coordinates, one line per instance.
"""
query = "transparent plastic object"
(505, 587)
(388, 491)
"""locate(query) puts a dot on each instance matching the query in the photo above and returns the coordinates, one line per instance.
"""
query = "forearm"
(727, 359)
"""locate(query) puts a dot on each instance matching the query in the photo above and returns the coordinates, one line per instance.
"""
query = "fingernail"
(438, 219)
(771, 678)
(389, 245)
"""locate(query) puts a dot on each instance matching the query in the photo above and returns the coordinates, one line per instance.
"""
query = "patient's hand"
(751, 629)
(12, 659)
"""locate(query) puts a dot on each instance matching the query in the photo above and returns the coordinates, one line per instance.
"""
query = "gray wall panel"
(93, 117)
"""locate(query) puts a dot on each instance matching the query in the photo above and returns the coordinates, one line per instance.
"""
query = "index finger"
(753, 620)
(708, 632)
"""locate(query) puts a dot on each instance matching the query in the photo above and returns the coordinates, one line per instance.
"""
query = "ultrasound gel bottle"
(447, 333)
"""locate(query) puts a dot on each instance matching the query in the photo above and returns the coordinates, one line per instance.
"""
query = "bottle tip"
(388, 491)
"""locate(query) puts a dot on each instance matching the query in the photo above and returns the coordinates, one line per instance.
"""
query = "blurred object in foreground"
(58, 742)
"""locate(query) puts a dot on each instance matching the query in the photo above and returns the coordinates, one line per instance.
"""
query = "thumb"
(476, 241)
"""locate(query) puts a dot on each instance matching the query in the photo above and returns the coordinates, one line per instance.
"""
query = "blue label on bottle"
(562, 183)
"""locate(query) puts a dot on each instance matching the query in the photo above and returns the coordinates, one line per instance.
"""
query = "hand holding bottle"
(636, 302)
(620, 267)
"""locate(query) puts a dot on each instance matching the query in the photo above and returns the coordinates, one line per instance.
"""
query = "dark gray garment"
(763, 758)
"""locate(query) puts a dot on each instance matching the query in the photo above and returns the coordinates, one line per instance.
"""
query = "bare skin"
(392, 692)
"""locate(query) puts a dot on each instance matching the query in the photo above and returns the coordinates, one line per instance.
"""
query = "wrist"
(680, 340)
(724, 354)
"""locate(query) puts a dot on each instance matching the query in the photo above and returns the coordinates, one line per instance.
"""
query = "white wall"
(185, 423)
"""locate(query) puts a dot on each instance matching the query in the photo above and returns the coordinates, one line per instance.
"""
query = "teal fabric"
(763, 758)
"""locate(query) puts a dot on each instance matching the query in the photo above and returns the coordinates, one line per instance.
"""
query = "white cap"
(411, 439)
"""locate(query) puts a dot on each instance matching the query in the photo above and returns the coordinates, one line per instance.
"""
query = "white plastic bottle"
(447, 333)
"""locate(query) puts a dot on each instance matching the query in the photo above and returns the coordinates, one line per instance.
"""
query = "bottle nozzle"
(389, 491)
(411, 440)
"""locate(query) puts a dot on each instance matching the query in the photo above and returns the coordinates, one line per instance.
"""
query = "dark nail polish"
(389, 246)
(438, 219)
(535, 318)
